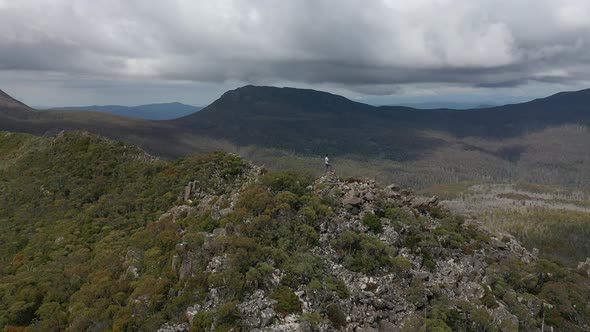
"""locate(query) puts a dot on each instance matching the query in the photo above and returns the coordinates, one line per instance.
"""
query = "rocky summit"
(390, 262)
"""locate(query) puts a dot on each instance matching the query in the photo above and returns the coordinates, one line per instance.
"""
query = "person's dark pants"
(327, 167)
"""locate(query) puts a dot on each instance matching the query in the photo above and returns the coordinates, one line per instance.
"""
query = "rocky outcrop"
(197, 198)
(384, 301)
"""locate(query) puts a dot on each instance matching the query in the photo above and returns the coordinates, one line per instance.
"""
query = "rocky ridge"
(434, 257)
(117, 240)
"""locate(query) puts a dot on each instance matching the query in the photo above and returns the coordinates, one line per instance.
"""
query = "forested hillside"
(72, 207)
(98, 235)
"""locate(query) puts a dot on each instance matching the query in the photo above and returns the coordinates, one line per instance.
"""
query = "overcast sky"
(80, 52)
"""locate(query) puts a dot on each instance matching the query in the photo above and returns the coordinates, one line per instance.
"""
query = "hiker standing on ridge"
(327, 162)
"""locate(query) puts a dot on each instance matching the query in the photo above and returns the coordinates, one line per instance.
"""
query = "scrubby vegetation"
(553, 219)
(75, 211)
(558, 234)
(79, 211)
(97, 235)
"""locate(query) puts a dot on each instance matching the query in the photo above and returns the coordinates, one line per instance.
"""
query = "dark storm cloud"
(371, 46)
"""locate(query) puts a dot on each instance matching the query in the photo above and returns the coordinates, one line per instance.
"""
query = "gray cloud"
(370, 47)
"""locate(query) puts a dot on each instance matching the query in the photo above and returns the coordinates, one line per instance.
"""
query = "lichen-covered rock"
(257, 310)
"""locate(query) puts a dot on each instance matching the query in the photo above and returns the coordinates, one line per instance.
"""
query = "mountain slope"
(306, 121)
(162, 111)
(11, 108)
(313, 122)
(97, 235)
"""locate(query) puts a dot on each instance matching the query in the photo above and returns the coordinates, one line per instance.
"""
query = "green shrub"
(242, 252)
(488, 299)
(396, 214)
(257, 276)
(293, 181)
(436, 325)
(363, 253)
(320, 209)
(438, 213)
(336, 315)
(338, 286)
(314, 319)
(287, 301)
(223, 317)
(202, 322)
(372, 222)
(302, 268)
(255, 199)
(201, 223)
(417, 293)
(288, 198)
(400, 264)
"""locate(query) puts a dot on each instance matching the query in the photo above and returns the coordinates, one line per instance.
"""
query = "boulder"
(426, 204)
(503, 318)
(352, 201)
(257, 311)
(370, 196)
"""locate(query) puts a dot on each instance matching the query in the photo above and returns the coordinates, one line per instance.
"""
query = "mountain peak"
(6, 98)
(283, 92)
(12, 108)
(281, 100)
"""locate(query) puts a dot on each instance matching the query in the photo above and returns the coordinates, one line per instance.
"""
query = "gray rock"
(382, 304)
(585, 266)
(258, 311)
(225, 212)
(386, 326)
(352, 201)
(390, 236)
(216, 264)
(393, 187)
(504, 319)
(182, 327)
(426, 204)
(186, 267)
(219, 232)
(191, 312)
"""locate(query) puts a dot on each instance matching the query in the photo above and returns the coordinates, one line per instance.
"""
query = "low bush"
(372, 222)
(338, 286)
(336, 315)
(363, 253)
(293, 181)
(287, 301)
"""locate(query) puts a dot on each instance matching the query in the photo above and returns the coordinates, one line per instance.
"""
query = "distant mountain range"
(446, 104)
(284, 126)
(161, 111)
